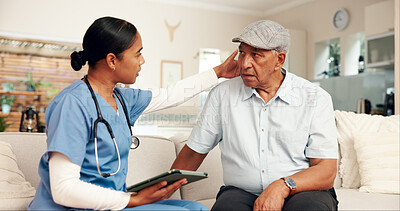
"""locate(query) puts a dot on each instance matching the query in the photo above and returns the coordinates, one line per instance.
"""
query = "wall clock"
(341, 19)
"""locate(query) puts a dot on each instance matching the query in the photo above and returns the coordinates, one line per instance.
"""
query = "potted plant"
(3, 124)
(8, 86)
(6, 103)
(51, 93)
(334, 52)
(33, 85)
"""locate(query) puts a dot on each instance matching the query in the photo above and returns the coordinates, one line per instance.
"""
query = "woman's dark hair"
(106, 35)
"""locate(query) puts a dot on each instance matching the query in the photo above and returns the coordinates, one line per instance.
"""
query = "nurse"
(88, 125)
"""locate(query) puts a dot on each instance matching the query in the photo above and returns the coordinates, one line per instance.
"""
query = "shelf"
(14, 118)
(380, 51)
(13, 113)
(10, 114)
(26, 93)
(384, 64)
(24, 99)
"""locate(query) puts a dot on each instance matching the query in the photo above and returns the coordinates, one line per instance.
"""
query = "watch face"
(291, 183)
(340, 19)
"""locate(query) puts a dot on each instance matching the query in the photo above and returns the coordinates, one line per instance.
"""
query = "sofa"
(20, 154)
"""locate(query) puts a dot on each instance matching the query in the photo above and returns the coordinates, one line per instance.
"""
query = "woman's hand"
(155, 193)
(230, 67)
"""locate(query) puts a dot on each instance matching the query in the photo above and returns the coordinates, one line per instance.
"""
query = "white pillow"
(378, 157)
(348, 123)
(15, 192)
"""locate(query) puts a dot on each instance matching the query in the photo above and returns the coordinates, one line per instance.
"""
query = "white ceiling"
(248, 7)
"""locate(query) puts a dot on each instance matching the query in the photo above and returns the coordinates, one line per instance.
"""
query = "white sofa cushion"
(378, 160)
(13, 186)
(348, 123)
(352, 199)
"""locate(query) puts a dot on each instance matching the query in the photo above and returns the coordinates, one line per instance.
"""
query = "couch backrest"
(338, 180)
(154, 156)
(212, 165)
(28, 148)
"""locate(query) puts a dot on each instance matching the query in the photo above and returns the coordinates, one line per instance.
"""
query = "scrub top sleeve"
(68, 128)
(136, 102)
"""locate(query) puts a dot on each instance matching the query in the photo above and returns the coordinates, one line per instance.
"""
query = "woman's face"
(132, 59)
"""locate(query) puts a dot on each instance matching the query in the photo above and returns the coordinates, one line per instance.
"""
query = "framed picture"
(171, 72)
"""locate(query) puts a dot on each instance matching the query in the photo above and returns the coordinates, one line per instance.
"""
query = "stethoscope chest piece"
(135, 142)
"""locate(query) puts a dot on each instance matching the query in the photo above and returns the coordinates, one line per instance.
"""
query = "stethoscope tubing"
(100, 119)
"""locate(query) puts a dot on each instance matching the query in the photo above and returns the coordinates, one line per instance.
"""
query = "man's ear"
(281, 59)
(111, 60)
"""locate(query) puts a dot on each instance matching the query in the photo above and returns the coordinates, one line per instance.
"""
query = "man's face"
(258, 66)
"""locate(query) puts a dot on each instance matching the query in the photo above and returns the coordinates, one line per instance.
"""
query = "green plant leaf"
(3, 124)
(9, 100)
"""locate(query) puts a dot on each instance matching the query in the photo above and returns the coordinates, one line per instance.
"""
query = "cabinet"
(347, 90)
(379, 18)
(380, 51)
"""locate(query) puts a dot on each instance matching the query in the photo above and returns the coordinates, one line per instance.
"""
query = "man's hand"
(155, 193)
(273, 197)
(230, 67)
(320, 176)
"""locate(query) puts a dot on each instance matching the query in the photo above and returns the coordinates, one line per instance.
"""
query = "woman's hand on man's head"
(230, 67)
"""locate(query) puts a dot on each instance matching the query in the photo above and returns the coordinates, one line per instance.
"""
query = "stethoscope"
(135, 140)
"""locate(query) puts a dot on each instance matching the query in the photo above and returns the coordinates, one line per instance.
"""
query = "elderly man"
(276, 131)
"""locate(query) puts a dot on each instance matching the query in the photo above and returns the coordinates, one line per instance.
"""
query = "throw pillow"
(378, 157)
(15, 192)
(348, 123)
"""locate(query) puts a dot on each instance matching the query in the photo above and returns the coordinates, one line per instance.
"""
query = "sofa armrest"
(28, 148)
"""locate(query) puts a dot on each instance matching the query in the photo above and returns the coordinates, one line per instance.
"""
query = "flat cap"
(267, 35)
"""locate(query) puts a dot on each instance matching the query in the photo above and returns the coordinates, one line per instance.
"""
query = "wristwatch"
(290, 183)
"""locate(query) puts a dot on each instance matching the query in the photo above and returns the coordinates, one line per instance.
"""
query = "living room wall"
(58, 20)
(316, 19)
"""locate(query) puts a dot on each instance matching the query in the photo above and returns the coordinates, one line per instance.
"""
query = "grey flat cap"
(265, 34)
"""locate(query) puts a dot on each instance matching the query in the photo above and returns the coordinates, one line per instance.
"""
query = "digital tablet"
(169, 176)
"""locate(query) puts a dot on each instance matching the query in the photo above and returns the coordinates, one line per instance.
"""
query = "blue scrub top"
(69, 127)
